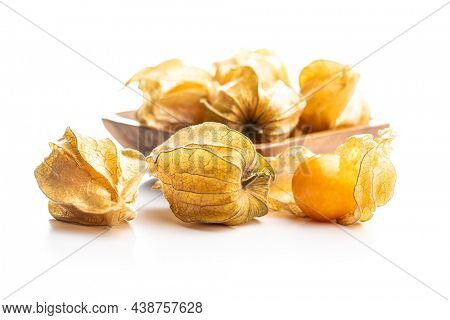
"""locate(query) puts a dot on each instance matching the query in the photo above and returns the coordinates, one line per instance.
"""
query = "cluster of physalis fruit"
(209, 170)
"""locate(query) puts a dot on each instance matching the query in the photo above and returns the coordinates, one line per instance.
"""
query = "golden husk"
(172, 94)
(263, 115)
(210, 173)
(268, 66)
(328, 88)
(280, 192)
(376, 173)
(89, 181)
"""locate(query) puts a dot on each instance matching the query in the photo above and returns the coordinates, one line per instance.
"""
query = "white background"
(279, 266)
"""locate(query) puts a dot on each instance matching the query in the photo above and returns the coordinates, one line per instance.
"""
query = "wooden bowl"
(125, 128)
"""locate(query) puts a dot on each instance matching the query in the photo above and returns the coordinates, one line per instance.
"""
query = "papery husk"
(210, 173)
(328, 88)
(262, 115)
(376, 173)
(172, 94)
(89, 181)
(280, 193)
(268, 66)
(357, 112)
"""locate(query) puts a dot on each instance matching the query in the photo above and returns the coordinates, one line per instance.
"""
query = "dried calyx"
(172, 94)
(263, 115)
(90, 181)
(280, 192)
(210, 173)
(267, 65)
(329, 89)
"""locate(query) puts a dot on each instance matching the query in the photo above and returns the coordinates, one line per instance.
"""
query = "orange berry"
(323, 187)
